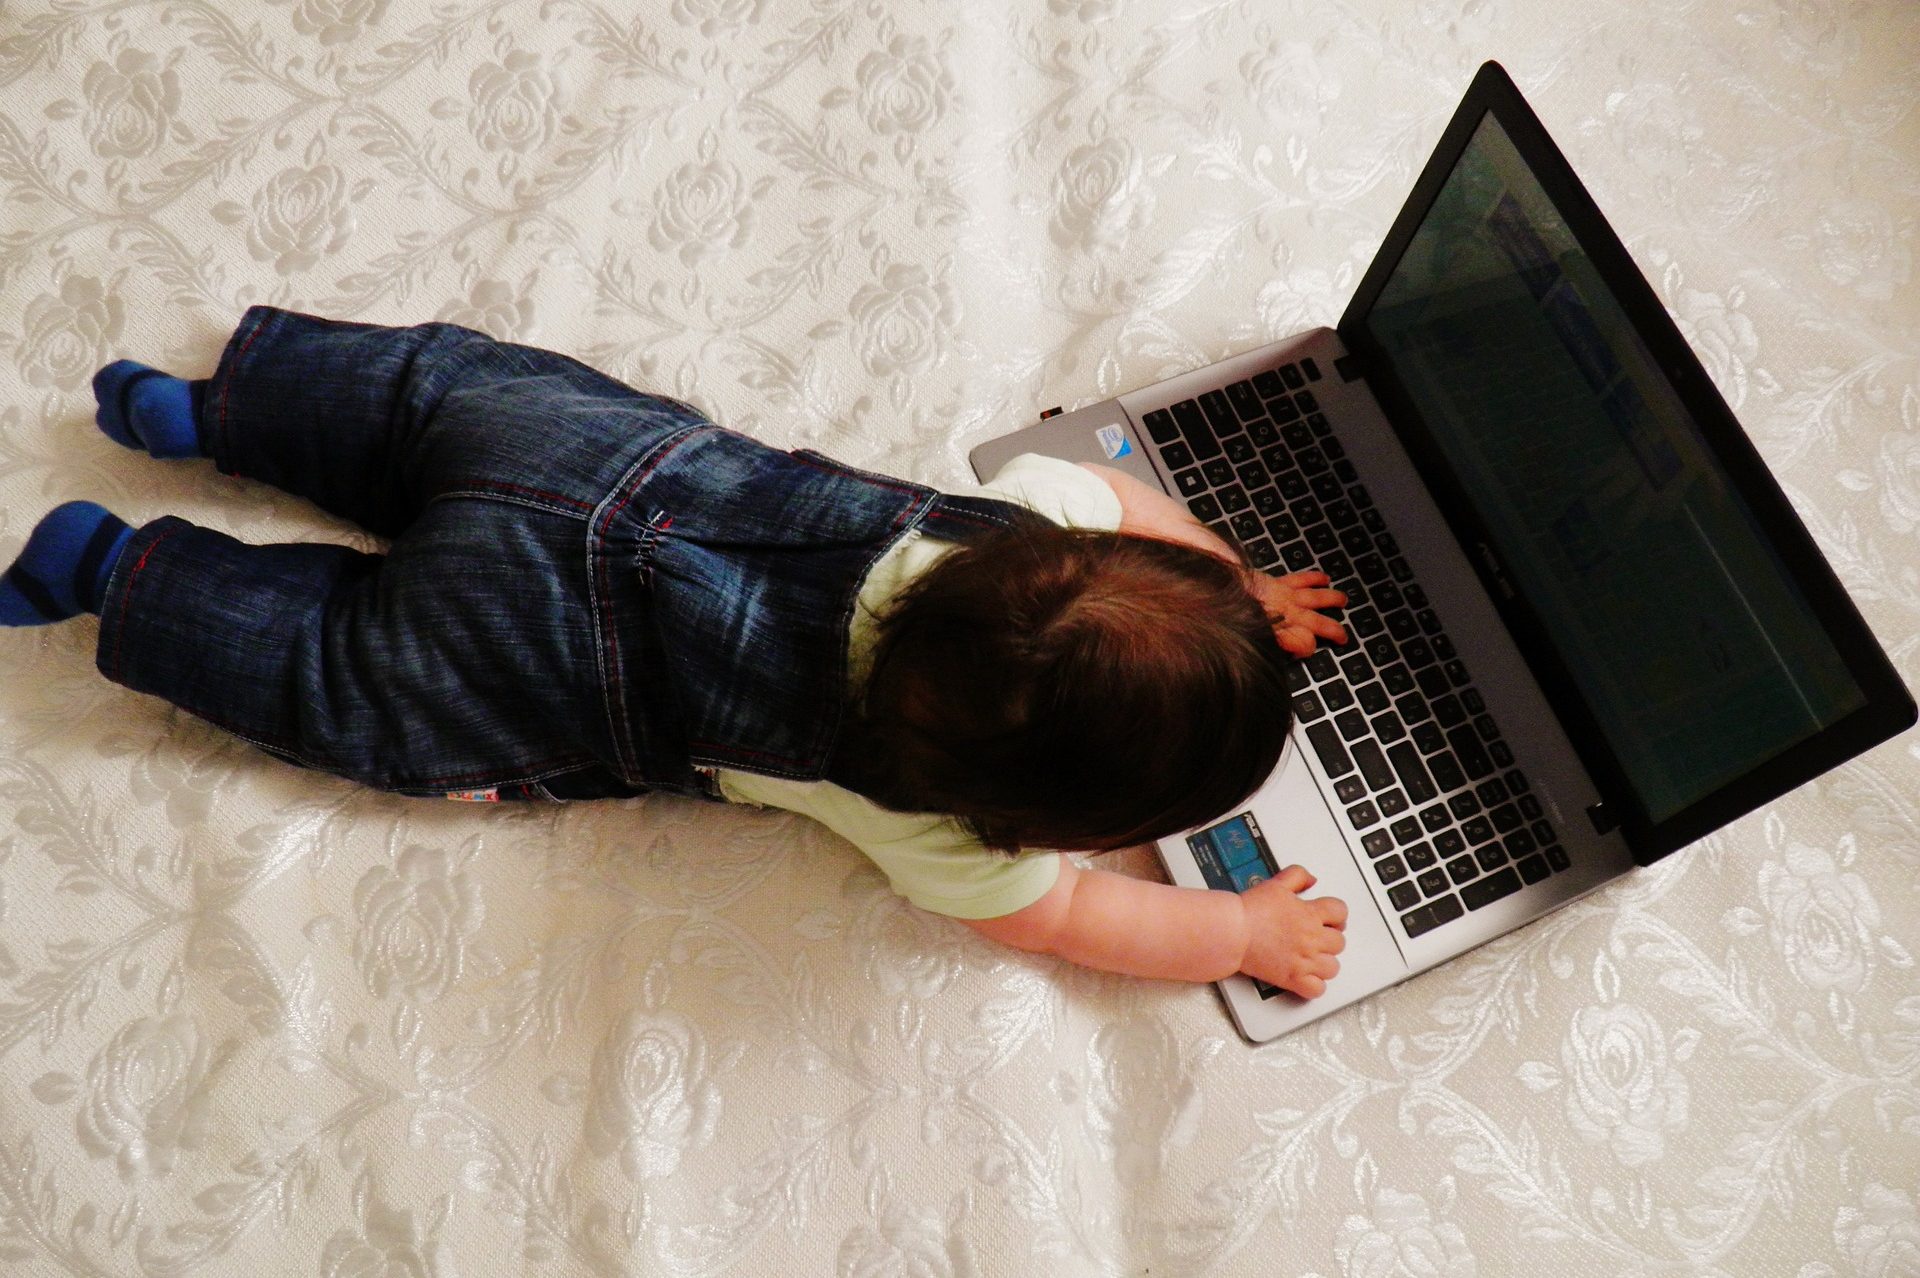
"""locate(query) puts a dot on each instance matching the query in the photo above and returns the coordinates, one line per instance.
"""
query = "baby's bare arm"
(1116, 923)
(1293, 602)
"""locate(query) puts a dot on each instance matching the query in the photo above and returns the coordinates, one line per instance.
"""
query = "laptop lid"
(1697, 647)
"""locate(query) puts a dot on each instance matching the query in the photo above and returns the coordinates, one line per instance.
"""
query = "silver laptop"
(1586, 627)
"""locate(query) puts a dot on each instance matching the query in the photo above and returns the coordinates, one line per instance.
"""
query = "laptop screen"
(1678, 624)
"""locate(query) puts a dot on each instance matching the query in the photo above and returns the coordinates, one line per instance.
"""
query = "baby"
(593, 592)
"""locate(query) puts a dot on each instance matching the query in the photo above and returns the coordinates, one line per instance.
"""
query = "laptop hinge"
(1604, 822)
(1348, 367)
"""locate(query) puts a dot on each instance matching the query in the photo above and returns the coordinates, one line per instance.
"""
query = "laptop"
(1586, 628)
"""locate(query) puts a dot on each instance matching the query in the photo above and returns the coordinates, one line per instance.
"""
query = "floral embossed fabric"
(253, 1020)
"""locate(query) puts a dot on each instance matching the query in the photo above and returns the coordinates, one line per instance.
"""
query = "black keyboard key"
(1463, 870)
(1160, 425)
(1429, 621)
(1412, 772)
(1371, 568)
(1432, 681)
(1388, 728)
(1491, 857)
(1240, 449)
(1486, 727)
(1191, 483)
(1398, 680)
(1262, 554)
(1352, 725)
(1433, 882)
(1517, 783)
(1377, 843)
(1401, 625)
(1467, 748)
(1419, 857)
(1490, 889)
(1399, 567)
(1308, 404)
(1218, 471)
(1204, 508)
(1298, 557)
(1268, 384)
(1502, 756)
(1392, 803)
(1318, 423)
(1534, 868)
(1322, 539)
(1521, 843)
(1464, 804)
(1338, 696)
(1403, 894)
(1356, 667)
(1321, 666)
(1311, 369)
(1419, 653)
(1282, 528)
(1391, 870)
(1456, 670)
(1435, 818)
(1307, 708)
(1380, 650)
(1405, 830)
(1195, 430)
(1472, 700)
(1428, 917)
(1427, 735)
(1373, 764)
(1267, 503)
(1233, 498)
(1449, 843)
(1364, 622)
(1543, 832)
(1491, 791)
(1326, 743)
(1355, 541)
(1506, 818)
(1246, 526)
(1263, 433)
(1306, 510)
(1446, 771)
(1298, 680)
(1477, 831)
(1290, 374)
(1351, 789)
(1363, 815)
(1219, 412)
(1413, 708)
(1557, 857)
(1530, 807)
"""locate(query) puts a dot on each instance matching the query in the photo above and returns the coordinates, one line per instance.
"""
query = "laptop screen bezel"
(1889, 707)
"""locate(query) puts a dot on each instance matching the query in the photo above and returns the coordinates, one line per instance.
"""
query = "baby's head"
(1065, 688)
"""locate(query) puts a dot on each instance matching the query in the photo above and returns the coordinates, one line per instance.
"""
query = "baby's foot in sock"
(143, 407)
(64, 568)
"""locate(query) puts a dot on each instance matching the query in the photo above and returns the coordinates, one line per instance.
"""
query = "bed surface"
(254, 1020)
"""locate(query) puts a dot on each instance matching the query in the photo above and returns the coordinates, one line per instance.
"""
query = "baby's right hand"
(1291, 942)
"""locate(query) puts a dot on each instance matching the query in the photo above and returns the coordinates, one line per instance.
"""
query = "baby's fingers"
(1307, 986)
(1333, 910)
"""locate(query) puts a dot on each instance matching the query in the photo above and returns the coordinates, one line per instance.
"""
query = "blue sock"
(63, 570)
(143, 407)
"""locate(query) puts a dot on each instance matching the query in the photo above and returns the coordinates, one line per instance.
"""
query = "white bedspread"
(254, 1020)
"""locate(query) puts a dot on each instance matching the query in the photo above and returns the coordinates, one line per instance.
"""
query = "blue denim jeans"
(590, 591)
(467, 659)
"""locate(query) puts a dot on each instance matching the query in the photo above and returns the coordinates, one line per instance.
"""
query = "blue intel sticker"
(1114, 440)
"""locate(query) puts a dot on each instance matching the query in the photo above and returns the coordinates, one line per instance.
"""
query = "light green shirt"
(928, 858)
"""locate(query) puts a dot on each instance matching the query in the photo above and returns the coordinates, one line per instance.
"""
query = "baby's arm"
(1121, 924)
(1292, 601)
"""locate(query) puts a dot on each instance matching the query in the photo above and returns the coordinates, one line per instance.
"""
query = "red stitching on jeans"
(126, 604)
(226, 387)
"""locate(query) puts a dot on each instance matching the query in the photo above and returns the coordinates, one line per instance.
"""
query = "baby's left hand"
(1292, 604)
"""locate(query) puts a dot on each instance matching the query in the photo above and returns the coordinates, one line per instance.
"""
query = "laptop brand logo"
(1114, 442)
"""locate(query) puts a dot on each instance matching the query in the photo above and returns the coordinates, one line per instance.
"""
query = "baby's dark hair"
(1071, 688)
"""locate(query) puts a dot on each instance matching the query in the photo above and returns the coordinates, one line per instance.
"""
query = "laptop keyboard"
(1419, 767)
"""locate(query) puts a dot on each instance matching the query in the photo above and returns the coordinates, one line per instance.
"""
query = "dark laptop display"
(1668, 599)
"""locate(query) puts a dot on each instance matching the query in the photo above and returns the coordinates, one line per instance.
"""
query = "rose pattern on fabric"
(131, 104)
(414, 921)
(712, 17)
(652, 1100)
(900, 323)
(1859, 246)
(300, 216)
(337, 21)
(146, 1096)
(1625, 1089)
(388, 1244)
(1100, 195)
(514, 104)
(1880, 1238)
(1822, 917)
(701, 208)
(902, 90)
(1401, 1239)
(900, 1241)
(65, 336)
(495, 308)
